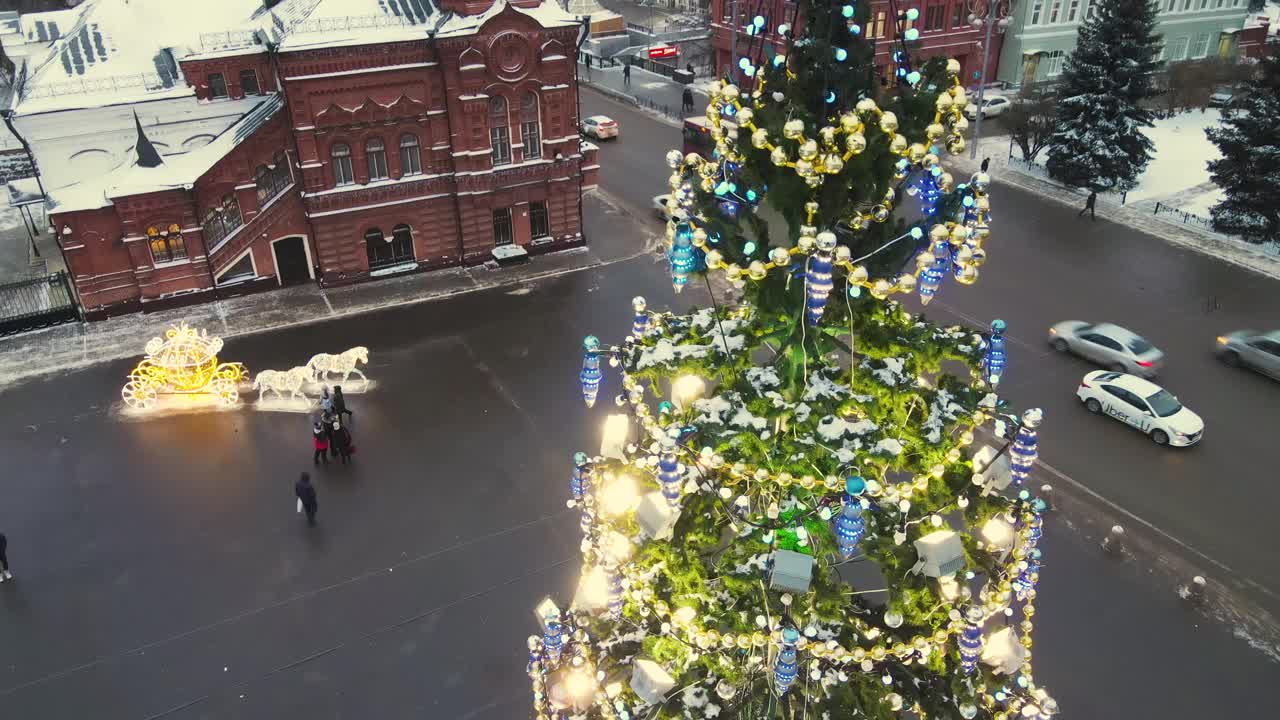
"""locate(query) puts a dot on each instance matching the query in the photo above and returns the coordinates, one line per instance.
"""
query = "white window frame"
(1054, 61)
(1055, 11)
(1073, 10)
(1037, 9)
(1178, 50)
(1201, 48)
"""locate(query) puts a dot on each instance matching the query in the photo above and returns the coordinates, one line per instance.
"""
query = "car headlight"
(1222, 340)
(1180, 435)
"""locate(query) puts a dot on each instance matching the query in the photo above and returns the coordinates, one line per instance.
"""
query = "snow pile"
(831, 428)
(1182, 152)
(942, 410)
(888, 446)
(891, 373)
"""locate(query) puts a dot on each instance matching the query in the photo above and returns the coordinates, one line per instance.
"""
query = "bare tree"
(1030, 119)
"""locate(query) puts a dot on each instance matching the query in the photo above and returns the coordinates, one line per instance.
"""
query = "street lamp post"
(988, 13)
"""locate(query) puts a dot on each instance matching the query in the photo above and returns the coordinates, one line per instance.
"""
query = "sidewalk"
(612, 233)
(647, 90)
(1138, 215)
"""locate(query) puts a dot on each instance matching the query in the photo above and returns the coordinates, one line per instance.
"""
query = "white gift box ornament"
(1003, 652)
(650, 682)
(995, 472)
(656, 517)
(941, 553)
(613, 442)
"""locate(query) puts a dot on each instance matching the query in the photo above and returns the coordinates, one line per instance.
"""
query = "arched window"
(262, 178)
(342, 172)
(499, 133)
(221, 221)
(410, 155)
(272, 179)
(376, 152)
(389, 251)
(530, 130)
(166, 244)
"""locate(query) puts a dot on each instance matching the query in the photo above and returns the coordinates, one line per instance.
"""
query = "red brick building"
(944, 29)
(378, 138)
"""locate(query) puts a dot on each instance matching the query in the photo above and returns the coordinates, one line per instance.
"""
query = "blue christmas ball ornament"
(855, 29)
(847, 11)
(841, 54)
(751, 195)
(665, 406)
(935, 171)
(917, 233)
(778, 60)
(913, 77)
(744, 63)
(854, 485)
(722, 188)
(912, 14)
(968, 201)
(748, 248)
(758, 21)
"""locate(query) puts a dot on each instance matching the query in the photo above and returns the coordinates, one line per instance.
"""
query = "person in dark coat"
(1088, 205)
(341, 441)
(306, 493)
(320, 442)
(340, 403)
(687, 100)
(4, 559)
(626, 75)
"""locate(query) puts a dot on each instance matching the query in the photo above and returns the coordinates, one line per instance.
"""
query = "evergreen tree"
(1099, 144)
(801, 530)
(1249, 169)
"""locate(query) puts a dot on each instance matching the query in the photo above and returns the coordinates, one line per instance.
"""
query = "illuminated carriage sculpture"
(183, 362)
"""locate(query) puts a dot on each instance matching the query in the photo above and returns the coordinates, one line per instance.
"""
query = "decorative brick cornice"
(403, 190)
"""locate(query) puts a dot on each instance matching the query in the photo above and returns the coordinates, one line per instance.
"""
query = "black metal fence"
(39, 302)
(1186, 217)
(1038, 170)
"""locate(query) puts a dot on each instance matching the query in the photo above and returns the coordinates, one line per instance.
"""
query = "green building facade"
(1042, 33)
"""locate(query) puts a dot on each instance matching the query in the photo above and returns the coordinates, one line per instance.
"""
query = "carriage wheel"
(138, 395)
(226, 391)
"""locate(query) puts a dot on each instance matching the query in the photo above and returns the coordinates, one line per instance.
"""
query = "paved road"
(1047, 265)
(163, 573)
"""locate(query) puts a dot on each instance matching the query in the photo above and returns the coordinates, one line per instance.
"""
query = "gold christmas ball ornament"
(759, 138)
(674, 158)
(958, 97)
(924, 259)
(982, 203)
(780, 257)
(907, 282)
(959, 234)
(715, 259)
(890, 195)
(943, 102)
(745, 116)
(961, 124)
(963, 255)
(979, 256)
(732, 271)
(793, 129)
(945, 181)
(929, 160)
(858, 274)
(850, 123)
(692, 159)
(713, 87)
(811, 208)
(730, 92)
(855, 143)
(939, 233)
(955, 145)
(968, 275)
(916, 152)
(809, 149)
(756, 270)
(865, 105)
(881, 288)
(880, 213)
(953, 66)
(827, 135)
(806, 243)
(888, 122)
(935, 130)
(708, 185)
(803, 167)
(707, 170)
(981, 181)
(843, 253)
(898, 145)
(832, 163)
(778, 157)
(699, 237)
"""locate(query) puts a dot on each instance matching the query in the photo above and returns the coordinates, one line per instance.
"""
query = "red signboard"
(662, 51)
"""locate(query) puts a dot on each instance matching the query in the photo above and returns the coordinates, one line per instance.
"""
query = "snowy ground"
(1180, 162)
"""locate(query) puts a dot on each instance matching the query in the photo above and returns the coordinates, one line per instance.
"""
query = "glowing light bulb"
(619, 496)
(686, 389)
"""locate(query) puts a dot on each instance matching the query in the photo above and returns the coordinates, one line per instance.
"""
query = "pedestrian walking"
(340, 403)
(1088, 205)
(626, 75)
(326, 401)
(4, 559)
(687, 100)
(307, 502)
(320, 442)
(689, 67)
(341, 441)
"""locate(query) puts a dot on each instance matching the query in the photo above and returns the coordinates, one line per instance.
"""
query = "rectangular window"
(1201, 47)
(877, 25)
(500, 142)
(1037, 8)
(1054, 9)
(1178, 49)
(249, 82)
(934, 16)
(410, 156)
(1186, 5)
(531, 139)
(1169, 4)
(1073, 9)
(166, 246)
(1053, 62)
(957, 14)
(1204, 4)
(502, 226)
(217, 85)
(376, 153)
(1218, 3)
(539, 225)
(342, 172)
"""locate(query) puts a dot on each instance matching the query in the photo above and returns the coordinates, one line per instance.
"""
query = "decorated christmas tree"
(1249, 170)
(803, 505)
(1108, 78)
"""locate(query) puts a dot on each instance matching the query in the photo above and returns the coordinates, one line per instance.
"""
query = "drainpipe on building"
(273, 52)
(583, 33)
(453, 170)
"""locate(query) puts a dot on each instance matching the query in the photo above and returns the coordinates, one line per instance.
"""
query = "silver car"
(1110, 346)
(1252, 350)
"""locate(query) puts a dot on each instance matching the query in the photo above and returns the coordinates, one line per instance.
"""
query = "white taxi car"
(1141, 404)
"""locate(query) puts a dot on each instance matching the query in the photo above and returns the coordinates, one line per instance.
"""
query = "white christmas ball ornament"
(793, 129)
(673, 158)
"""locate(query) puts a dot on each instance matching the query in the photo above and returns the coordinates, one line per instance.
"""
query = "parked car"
(600, 127)
(1246, 348)
(1221, 97)
(663, 212)
(1111, 346)
(1143, 405)
(992, 105)
(999, 87)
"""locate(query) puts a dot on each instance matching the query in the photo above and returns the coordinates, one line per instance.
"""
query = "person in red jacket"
(320, 442)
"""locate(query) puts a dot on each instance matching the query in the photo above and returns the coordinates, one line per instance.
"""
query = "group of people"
(330, 436)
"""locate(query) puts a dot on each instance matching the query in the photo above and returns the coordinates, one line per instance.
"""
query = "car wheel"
(1160, 437)
(1059, 344)
(1231, 357)
(1093, 406)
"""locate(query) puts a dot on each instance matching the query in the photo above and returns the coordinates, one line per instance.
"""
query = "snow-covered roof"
(548, 14)
(352, 22)
(45, 27)
(175, 172)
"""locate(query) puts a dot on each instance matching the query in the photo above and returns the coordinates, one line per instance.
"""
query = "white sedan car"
(1110, 346)
(1141, 404)
(992, 105)
(600, 127)
(663, 212)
